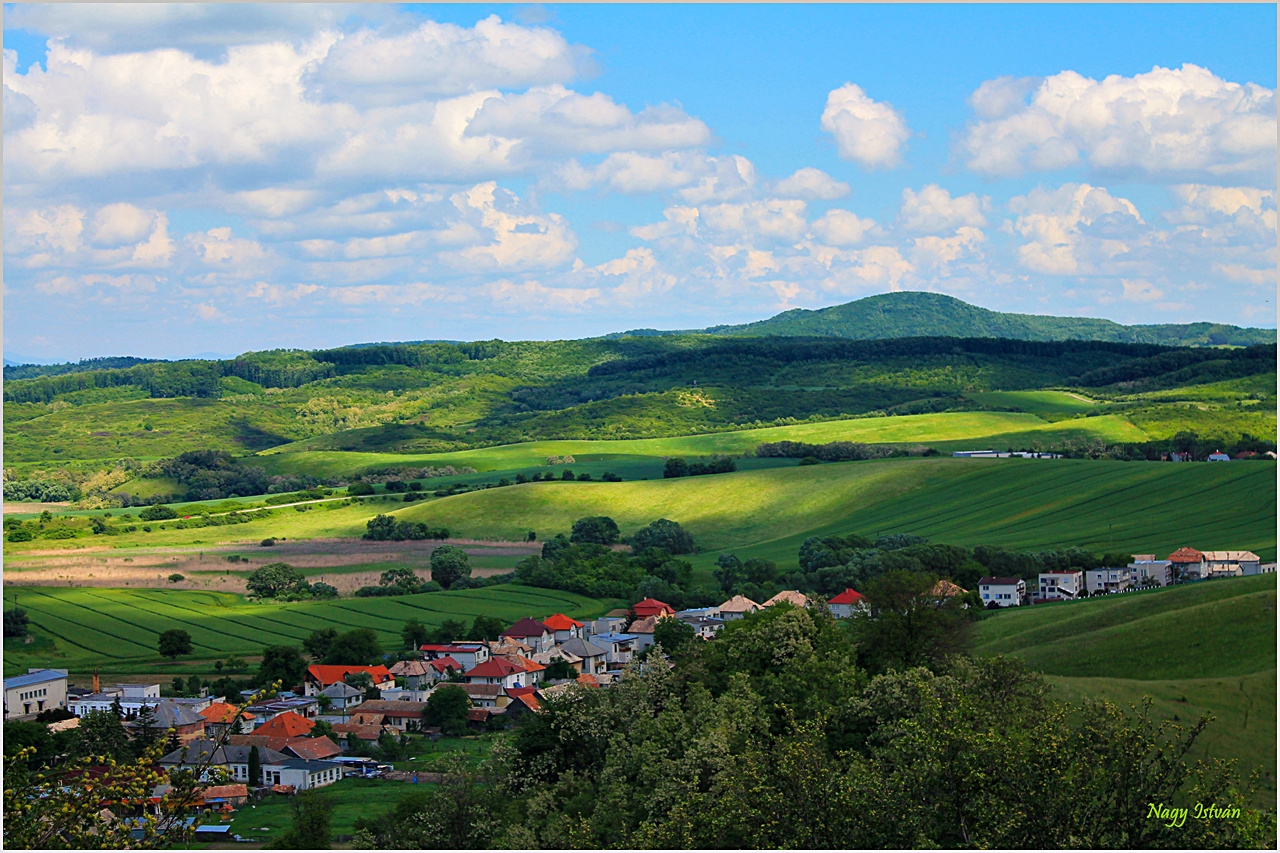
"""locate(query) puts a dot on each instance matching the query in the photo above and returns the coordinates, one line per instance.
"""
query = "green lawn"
(352, 798)
(1201, 648)
(118, 628)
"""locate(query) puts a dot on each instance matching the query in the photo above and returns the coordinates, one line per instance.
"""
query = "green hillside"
(916, 314)
(1105, 506)
(1201, 648)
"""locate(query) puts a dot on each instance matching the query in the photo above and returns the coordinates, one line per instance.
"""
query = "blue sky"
(185, 179)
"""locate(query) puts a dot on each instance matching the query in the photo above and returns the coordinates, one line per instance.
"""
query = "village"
(330, 727)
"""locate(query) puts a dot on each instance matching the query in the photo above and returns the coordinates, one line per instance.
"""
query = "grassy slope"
(1147, 507)
(945, 429)
(1201, 648)
(118, 628)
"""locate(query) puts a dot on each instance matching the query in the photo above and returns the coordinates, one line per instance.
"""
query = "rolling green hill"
(1201, 648)
(1105, 506)
(916, 314)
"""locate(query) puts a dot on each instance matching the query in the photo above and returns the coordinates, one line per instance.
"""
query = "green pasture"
(1021, 503)
(1206, 647)
(117, 629)
(951, 427)
(1051, 405)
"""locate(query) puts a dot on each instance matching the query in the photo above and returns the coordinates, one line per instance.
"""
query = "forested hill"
(911, 314)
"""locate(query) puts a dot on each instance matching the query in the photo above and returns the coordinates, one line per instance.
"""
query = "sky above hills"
(219, 178)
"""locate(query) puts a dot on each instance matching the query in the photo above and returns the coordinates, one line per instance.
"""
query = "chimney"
(97, 688)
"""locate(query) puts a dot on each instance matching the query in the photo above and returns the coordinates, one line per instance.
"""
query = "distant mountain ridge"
(912, 314)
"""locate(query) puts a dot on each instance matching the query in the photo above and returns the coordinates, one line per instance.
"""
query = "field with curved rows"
(117, 629)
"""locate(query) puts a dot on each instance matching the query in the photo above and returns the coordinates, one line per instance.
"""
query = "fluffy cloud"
(519, 241)
(438, 59)
(870, 133)
(696, 175)
(1167, 122)
(933, 209)
(1073, 229)
(812, 184)
(842, 227)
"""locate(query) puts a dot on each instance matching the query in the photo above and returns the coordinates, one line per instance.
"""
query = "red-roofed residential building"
(219, 716)
(1188, 564)
(532, 632)
(467, 654)
(563, 627)
(652, 607)
(320, 676)
(444, 667)
(843, 605)
(498, 671)
(286, 725)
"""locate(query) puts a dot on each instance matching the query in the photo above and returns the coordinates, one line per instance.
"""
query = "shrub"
(267, 543)
(176, 578)
(159, 512)
(360, 488)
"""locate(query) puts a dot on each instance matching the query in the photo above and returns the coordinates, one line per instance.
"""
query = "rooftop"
(38, 677)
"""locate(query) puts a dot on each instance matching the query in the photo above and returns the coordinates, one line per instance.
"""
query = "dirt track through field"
(209, 569)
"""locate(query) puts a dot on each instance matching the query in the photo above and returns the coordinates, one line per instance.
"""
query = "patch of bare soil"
(209, 569)
(34, 507)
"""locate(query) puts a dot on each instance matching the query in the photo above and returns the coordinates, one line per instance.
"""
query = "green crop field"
(947, 427)
(1143, 507)
(1201, 648)
(117, 629)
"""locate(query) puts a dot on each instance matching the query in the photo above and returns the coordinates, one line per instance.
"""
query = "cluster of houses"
(1145, 571)
(504, 678)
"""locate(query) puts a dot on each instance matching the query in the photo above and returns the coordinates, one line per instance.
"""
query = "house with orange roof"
(320, 676)
(220, 716)
(844, 605)
(563, 628)
(286, 725)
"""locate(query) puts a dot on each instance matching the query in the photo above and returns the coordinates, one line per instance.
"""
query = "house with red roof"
(652, 607)
(842, 606)
(467, 654)
(499, 671)
(531, 632)
(286, 725)
(563, 628)
(320, 676)
(1188, 564)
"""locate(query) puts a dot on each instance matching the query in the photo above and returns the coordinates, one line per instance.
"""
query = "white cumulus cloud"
(933, 209)
(1167, 122)
(870, 133)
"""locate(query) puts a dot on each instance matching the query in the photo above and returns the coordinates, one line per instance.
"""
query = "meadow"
(1020, 503)
(950, 430)
(351, 799)
(1200, 648)
(117, 629)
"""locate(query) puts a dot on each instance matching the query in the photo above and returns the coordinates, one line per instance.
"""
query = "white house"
(38, 690)
(342, 697)
(1061, 586)
(737, 607)
(301, 773)
(234, 758)
(1005, 592)
(497, 671)
(1148, 571)
(843, 605)
(1261, 569)
(1219, 456)
(1106, 580)
(618, 647)
(467, 654)
(131, 698)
